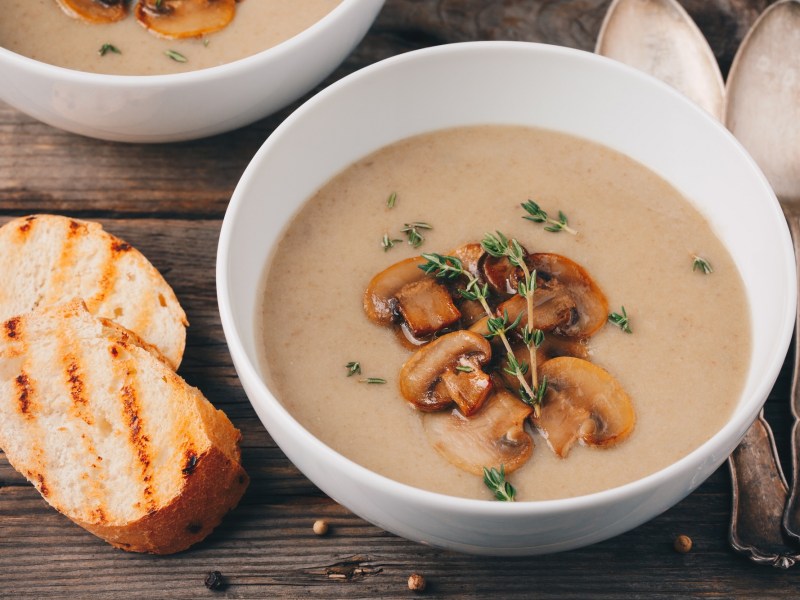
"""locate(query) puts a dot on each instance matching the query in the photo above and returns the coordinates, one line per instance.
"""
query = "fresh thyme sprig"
(496, 482)
(388, 242)
(701, 264)
(621, 320)
(450, 267)
(106, 48)
(391, 200)
(354, 368)
(498, 245)
(415, 238)
(538, 215)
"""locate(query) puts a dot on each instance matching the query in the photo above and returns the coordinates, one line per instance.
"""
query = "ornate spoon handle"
(759, 497)
(791, 516)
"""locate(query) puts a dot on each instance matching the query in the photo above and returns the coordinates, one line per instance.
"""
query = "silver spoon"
(660, 38)
(763, 112)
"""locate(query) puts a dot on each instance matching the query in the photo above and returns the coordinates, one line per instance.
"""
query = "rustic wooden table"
(168, 200)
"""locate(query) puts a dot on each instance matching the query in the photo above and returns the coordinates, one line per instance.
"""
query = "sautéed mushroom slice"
(552, 347)
(590, 302)
(448, 370)
(495, 436)
(175, 19)
(404, 293)
(582, 403)
(95, 11)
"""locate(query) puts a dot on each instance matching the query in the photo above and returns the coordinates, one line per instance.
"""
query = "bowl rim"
(232, 68)
(711, 449)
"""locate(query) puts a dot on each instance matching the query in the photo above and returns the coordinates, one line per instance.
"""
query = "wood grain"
(168, 200)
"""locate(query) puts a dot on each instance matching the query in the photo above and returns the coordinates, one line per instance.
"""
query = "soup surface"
(39, 29)
(683, 365)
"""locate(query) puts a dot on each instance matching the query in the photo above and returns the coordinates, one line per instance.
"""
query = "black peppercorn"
(215, 581)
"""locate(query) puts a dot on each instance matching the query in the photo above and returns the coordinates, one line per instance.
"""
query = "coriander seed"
(416, 582)
(683, 544)
(321, 527)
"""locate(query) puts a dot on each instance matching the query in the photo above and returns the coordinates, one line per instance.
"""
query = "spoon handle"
(759, 496)
(791, 516)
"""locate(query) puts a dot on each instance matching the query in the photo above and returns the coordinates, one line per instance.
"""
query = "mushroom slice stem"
(176, 19)
(426, 307)
(467, 385)
(591, 303)
(421, 377)
(583, 403)
(95, 11)
(494, 436)
(380, 297)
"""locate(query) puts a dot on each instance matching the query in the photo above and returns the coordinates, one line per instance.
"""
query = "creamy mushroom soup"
(683, 364)
(39, 29)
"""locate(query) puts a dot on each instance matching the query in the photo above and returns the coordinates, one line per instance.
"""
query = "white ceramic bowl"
(167, 108)
(507, 83)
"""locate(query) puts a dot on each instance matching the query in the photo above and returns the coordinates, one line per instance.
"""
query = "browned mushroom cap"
(431, 379)
(553, 307)
(175, 19)
(95, 11)
(583, 402)
(380, 297)
(470, 256)
(501, 274)
(495, 436)
(591, 303)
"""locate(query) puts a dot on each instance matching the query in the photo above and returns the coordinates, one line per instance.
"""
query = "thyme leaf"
(176, 56)
(701, 264)
(538, 215)
(374, 380)
(106, 48)
(415, 238)
(391, 200)
(621, 320)
(464, 368)
(353, 368)
(496, 482)
(388, 242)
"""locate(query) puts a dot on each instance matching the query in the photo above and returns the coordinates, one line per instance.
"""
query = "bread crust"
(213, 489)
(121, 445)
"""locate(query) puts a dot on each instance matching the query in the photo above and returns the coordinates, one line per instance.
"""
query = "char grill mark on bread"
(48, 259)
(110, 435)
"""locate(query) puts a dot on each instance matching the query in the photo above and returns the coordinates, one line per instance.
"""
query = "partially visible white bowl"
(167, 108)
(525, 84)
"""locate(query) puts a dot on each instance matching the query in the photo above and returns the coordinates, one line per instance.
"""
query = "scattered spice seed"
(683, 544)
(320, 527)
(416, 582)
(176, 56)
(215, 581)
(106, 48)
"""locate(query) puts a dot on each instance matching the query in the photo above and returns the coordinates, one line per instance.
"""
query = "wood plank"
(168, 200)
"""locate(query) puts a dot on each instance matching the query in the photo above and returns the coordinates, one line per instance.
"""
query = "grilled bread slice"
(110, 435)
(49, 259)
